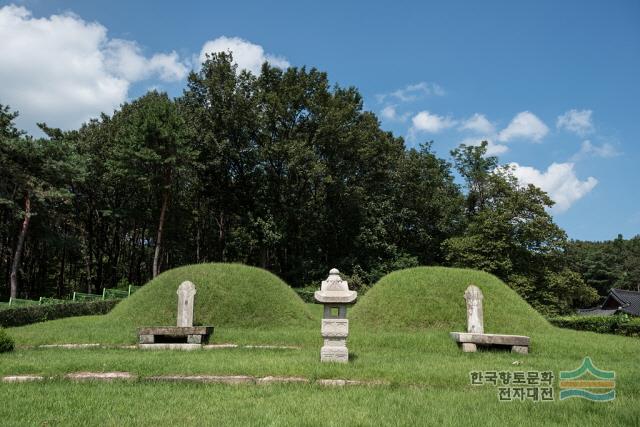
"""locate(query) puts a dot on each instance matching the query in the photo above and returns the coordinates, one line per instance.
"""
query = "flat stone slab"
(276, 380)
(21, 378)
(133, 347)
(224, 379)
(101, 376)
(220, 379)
(156, 335)
(342, 383)
(218, 346)
(176, 330)
(274, 347)
(490, 339)
(70, 346)
(170, 346)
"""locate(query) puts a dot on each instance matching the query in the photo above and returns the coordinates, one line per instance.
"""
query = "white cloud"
(424, 121)
(524, 125)
(493, 149)
(587, 149)
(391, 113)
(478, 123)
(575, 121)
(63, 70)
(413, 92)
(559, 181)
(247, 55)
(124, 58)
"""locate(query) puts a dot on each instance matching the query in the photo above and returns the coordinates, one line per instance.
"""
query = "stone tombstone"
(475, 320)
(335, 295)
(186, 293)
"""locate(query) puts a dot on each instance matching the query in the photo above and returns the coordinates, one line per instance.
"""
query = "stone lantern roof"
(334, 290)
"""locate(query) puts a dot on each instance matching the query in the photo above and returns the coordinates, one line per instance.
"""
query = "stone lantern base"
(335, 332)
(334, 354)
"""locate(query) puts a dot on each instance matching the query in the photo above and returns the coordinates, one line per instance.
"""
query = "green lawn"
(119, 404)
(427, 375)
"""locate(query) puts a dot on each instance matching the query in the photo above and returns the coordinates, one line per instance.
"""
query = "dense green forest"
(606, 265)
(282, 170)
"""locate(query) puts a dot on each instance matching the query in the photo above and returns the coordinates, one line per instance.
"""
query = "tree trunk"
(20, 246)
(198, 242)
(156, 255)
(62, 264)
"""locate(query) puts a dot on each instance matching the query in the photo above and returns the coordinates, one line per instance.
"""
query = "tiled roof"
(629, 301)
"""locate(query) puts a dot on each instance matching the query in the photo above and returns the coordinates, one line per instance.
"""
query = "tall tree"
(38, 171)
(150, 149)
(510, 233)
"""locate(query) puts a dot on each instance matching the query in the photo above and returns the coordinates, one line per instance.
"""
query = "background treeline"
(606, 265)
(281, 170)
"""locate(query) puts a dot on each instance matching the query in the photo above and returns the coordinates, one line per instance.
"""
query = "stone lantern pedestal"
(334, 293)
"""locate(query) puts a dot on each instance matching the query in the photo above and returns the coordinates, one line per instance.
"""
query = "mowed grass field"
(398, 334)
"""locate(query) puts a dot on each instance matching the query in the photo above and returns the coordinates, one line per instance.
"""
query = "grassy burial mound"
(433, 298)
(227, 295)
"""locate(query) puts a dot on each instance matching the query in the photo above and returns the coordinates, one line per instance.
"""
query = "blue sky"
(553, 85)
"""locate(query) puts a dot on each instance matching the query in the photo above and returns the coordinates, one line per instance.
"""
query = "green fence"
(114, 293)
(77, 296)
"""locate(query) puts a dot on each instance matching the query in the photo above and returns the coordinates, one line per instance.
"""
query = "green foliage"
(227, 295)
(609, 264)
(562, 291)
(617, 324)
(6, 342)
(40, 313)
(307, 293)
(433, 298)
(283, 170)
(509, 233)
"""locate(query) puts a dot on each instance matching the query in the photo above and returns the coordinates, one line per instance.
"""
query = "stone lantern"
(335, 295)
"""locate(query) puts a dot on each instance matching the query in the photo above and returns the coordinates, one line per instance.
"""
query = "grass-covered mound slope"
(227, 295)
(433, 298)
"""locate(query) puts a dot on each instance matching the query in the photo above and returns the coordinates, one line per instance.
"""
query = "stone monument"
(334, 293)
(475, 322)
(184, 336)
(186, 294)
(475, 335)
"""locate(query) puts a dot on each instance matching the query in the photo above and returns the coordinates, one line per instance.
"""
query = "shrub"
(631, 328)
(618, 324)
(19, 316)
(6, 342)
(306, 293)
